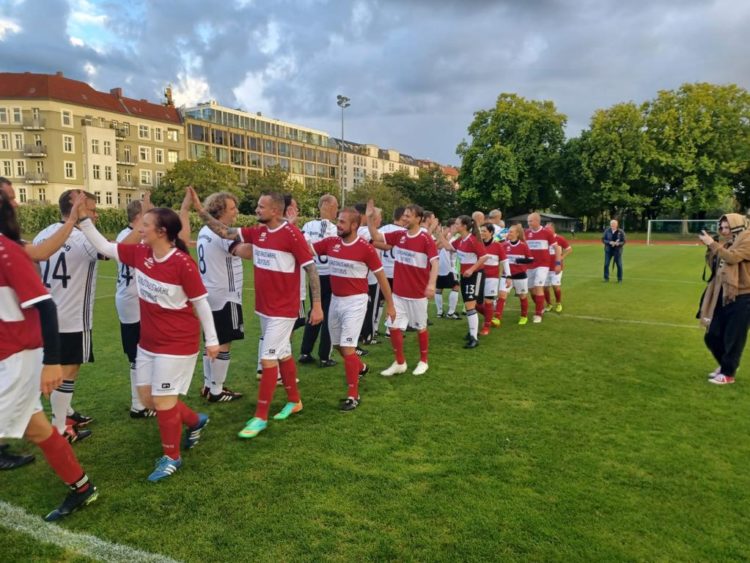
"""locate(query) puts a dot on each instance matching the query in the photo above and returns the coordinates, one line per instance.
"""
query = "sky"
(415, 70)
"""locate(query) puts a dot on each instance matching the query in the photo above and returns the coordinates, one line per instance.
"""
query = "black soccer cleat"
(349, 404)
(143, 413)
(329, 363)
(306, 359)
(11, 461)
(225, 396)
(364, 371)
(361, 352)
(73, 502)
(471, 343)
(78, 420)
(72, 435)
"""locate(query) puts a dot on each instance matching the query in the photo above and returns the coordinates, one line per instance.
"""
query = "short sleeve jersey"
(70, 276)
(446, 262)
(515, 251)
(469, 250)
(318, 230)
(563, 244)
(540, 243)
(386, 256)
(20, 289)
(364, 233)
(349, 264)
(220, 271)
(166, 288)
(126, 294)
(495, 255)
(278, 255)
(413, 255)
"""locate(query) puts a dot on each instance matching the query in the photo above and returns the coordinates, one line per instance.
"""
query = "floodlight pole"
(343, 102)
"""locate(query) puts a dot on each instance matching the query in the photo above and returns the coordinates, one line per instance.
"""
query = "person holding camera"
(613, 240)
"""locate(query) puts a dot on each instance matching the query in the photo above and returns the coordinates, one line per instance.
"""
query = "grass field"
(593, 436)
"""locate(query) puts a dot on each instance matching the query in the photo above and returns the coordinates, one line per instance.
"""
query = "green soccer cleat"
(558, 308)
(253, 427)
(288, 410)
(523, 320)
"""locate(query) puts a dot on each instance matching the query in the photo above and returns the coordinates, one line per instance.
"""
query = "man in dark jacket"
(613, 239)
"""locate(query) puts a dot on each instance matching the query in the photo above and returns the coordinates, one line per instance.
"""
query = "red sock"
(539, 302)
(351, 366)
(170, 428)
(265, 391)
(424, 345)
(547, 297)
(397, 341)
(524, 306)
(558, 295)
(499, 306)
(487, 315)
(480, 308)
(188, 416)
(288, 371)
(62, 460)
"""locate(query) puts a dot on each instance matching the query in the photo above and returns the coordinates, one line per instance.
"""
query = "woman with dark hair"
(170, 294)
(30, 362)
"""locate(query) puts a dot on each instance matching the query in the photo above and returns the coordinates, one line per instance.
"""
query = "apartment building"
(57, 133)
(370, 161)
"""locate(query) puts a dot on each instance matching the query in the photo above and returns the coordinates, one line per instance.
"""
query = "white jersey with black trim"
(126, 294)
(447, 262)
(315, 231)
(364, 233)
(220, 272)
(70, 276)
(386, 256)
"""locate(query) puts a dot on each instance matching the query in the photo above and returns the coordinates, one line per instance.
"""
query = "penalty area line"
(18, 520)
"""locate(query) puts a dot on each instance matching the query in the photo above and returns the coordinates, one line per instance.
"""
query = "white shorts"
(537, 276)
(276, 334)
(553, 278)
(490, 287)
(166, 375)
(345, 318)
(409, 312)
(20, 395)
(520, 286)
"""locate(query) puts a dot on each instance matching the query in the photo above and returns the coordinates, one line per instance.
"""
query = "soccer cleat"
(714, 373)
(549, 308)
(224, 397)
(558, 308)
(395, 369)
(78, 420)
(11, 461)
(537, 319)
(165, 466)
(205, 391)
(452, 316)
(496, 322)
(467, 336)
(306, 359)
(439, 315)
(364, 371)
(721, 379)
(288, 410)
(421, 368)
(259, 375)
(523, 320)
(72, 435)
(329, 363)
(73, 502)
(349, 404)
(473, 343)
(252, 428)
(361, 352)
(193, 433)
(485, 331)
(143, 413)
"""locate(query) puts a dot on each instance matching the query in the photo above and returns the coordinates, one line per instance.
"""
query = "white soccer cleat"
(421, 368)
(395, 369)
(537, 319)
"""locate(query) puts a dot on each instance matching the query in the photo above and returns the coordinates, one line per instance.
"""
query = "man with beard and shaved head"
(541, 242)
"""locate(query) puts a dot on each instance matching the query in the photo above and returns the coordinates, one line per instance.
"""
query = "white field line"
(18, 520)
(627, 279)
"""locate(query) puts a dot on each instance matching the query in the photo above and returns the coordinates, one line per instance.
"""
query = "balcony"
(34, 123)
(120, 132)
(127, 184)
(36, 178)
(35, 151)
(127, 160)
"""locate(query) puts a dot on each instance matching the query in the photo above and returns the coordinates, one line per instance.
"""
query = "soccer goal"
(679, 230)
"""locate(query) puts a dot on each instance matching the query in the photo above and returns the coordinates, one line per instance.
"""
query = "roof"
(57, 87)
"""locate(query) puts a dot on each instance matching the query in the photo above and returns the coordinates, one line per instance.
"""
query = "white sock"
(439, 302)
(219, 372)
(452, 302)
(60, 400)
(379, 316)
(206, 371)
(473, 320)
(135, 399)
(260, 351)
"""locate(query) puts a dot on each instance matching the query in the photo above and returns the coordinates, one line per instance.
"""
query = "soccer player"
(542, 244)
(446, 279)
(414, 277)
(496, 258)
(368, 325)
(279, 251)
(519, 256)
(350, 258)
(554, 280)
(171, 295)
(386, 257)
(221, 271)
(496, 218)
(30, 362)
(70, 276)
(318, 229)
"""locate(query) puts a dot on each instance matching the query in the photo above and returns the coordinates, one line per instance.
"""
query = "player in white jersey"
(70, 276)
(388, 260)
(221, 271)
(447, 279)
(373, 294)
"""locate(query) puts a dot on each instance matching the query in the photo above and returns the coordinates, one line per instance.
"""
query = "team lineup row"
(159, 285)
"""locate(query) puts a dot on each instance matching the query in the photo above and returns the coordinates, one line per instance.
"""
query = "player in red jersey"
(519, 256)
(554, 280)
(349, 259)
(30, 362)
(541, 242)
(415, 272)
(496, 259)
(170, 294)
(279, 252)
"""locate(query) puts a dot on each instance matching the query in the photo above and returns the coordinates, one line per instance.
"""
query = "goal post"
(678, 230)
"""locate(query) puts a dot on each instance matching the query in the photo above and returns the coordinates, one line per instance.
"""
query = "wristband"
(558, 262)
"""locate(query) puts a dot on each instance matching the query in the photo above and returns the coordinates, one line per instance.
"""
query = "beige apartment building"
(370, 161)
(57, 133)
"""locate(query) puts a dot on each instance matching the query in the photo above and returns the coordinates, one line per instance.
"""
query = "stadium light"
(343, 103)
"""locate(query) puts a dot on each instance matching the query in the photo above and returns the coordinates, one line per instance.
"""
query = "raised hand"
(196, 201)
(370, 210)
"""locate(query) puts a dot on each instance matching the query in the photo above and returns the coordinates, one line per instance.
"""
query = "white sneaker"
(714, 373)
(537, 319)
(421, 368)
(395, 368)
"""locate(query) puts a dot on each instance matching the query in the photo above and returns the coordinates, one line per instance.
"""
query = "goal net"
(679, 230)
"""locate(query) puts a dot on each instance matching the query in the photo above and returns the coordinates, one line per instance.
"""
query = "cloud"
(8, 27)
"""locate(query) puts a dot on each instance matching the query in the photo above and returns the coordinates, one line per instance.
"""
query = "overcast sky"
(415, 70)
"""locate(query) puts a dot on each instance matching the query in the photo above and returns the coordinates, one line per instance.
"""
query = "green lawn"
(576, 439)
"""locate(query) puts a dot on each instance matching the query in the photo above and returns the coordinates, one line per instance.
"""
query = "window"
(66, 118)
(172, 157)
(159, 156)
(94, 146)
(68, 144)
(40, 167)
(158, 177)
(126, 153)
(96, 172)
(107, 148)
(173, 135)
(35, 114)
(108, 195)
(144, 154)
(269, 146)
(70, 170)
(143, 132)
(4, 141)
(128, 198)
(20, 168)
(18, 141)
(42, 194)
(158, 134)
(3, 115)
(22, 195)
(17, 115)
(7, 168)
(146, 177)
(126, 176)
(126, 129)
(37, 140)
(107, 172)
(98, 196)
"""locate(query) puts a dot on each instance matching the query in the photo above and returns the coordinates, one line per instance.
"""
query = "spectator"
(613, 239)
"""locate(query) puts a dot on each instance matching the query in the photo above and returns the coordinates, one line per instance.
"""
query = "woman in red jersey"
(519, 257)
(496, 259)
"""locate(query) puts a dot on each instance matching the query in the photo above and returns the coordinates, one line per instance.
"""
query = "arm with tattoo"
(314, 280)
(224, 231)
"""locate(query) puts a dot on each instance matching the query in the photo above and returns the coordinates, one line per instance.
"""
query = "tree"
(431, 189)
(205, 174)
(386, 197)
(274, 179)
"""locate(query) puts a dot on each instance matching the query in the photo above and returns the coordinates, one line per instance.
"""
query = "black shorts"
(229, 324)
(76, 348)
(130, 334)
(448, 281)
(472, 287)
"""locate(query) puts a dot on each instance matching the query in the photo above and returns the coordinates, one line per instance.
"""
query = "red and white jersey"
(278, 255)
(386, 256)
(563, 244)
(166, 287)
(469, 249)
(413, 255)
(126, 294)
(495, 256)
(541, 243)
(20, 289)
(70, 276)
(348, 264)
(220, 271)
(514, 251)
